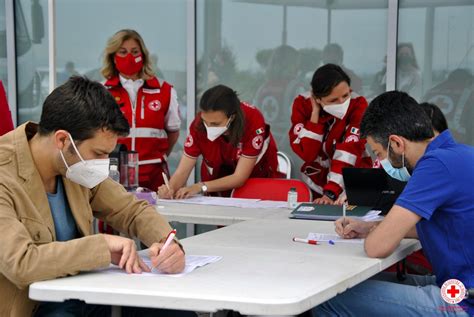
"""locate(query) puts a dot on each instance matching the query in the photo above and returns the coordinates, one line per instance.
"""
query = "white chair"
(284, 164)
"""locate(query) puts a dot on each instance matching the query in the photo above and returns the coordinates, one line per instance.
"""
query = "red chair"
(272, 189)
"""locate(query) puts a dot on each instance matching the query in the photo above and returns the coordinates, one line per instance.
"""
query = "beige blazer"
(29, 251)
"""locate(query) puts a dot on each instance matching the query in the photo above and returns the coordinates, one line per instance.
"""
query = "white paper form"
(192, 263)
(329, 237)
(228, 202)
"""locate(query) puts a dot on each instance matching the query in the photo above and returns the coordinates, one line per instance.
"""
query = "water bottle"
(113, 170)
(292, 198)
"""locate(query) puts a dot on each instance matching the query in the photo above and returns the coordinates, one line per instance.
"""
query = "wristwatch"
(203, 188)
(330, 194)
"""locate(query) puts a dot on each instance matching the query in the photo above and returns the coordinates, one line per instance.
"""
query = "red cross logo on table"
(453, 291)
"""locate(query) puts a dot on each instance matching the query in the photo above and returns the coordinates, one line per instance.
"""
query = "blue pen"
(331, 242)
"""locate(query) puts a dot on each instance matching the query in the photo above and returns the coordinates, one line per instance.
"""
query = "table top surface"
(214, 215)
(262, 272)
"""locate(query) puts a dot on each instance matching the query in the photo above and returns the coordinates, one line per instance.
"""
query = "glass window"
(268, 52)
(435, 59)
(162, 24)
(31, 57)
(3, 46)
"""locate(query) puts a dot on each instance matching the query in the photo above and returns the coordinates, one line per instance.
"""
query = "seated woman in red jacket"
(325, 132)
(235, 144)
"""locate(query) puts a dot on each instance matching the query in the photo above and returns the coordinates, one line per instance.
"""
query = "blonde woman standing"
(149, 104)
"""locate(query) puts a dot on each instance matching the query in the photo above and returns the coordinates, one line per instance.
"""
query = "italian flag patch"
(259, 131)
(355, 131)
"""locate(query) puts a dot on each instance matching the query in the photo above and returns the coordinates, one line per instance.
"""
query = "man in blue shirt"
(437, 207)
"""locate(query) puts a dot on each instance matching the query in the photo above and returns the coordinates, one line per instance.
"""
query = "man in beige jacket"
(53, 182)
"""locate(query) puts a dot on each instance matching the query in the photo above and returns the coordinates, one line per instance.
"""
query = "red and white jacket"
(220, 157)
(151, 109)
(328, 146)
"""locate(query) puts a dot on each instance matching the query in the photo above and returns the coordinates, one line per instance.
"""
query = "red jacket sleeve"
(351, 149)
(305, 136)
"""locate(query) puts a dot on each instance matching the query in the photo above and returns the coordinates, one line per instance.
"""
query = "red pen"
(305, 241)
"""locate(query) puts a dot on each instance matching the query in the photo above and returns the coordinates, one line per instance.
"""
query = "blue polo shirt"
(441, 192)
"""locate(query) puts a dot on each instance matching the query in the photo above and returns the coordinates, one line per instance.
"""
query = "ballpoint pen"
(307, 241)
(165, 178)
(169, 238)
(167, 183)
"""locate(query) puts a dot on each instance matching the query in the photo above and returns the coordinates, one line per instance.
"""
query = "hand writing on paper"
(349, 228)
(123, 252)
(169, 260)
(165, 193)
(186, 192)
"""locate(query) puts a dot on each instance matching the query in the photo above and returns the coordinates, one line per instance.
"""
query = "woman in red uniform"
(235, 144)
(150, 105)
(325, 132)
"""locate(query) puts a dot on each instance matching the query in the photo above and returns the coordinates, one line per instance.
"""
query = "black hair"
(326, 77)
(395, 112)
(82, 107)
(225, 99)
(438, 120)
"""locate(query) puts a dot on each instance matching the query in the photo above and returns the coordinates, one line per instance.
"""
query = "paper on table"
(229, 202)
(210, 200)
(373, 215)
(192, 262)
(331, 237)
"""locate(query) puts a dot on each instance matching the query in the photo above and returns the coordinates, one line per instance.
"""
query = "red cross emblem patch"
(297, 128)
(154, 105)
(257, 142)
(189, 141)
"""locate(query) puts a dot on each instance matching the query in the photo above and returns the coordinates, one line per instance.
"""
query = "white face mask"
(214, 132)
(88, 173)
(338, 110)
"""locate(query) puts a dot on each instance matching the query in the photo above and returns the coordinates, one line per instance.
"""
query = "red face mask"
(129, 64)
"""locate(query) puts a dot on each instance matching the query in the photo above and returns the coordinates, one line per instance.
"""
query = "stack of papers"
(229, 202)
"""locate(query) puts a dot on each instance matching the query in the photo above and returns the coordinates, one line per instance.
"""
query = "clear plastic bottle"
(292, 198)
(113, 170)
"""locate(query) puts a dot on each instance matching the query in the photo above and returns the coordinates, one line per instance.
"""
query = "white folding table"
(262, 272)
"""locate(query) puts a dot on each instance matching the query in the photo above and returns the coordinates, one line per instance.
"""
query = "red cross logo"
(453, 291)
(257, 142)
(189, 141)
(297, 128)
(154, 105)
